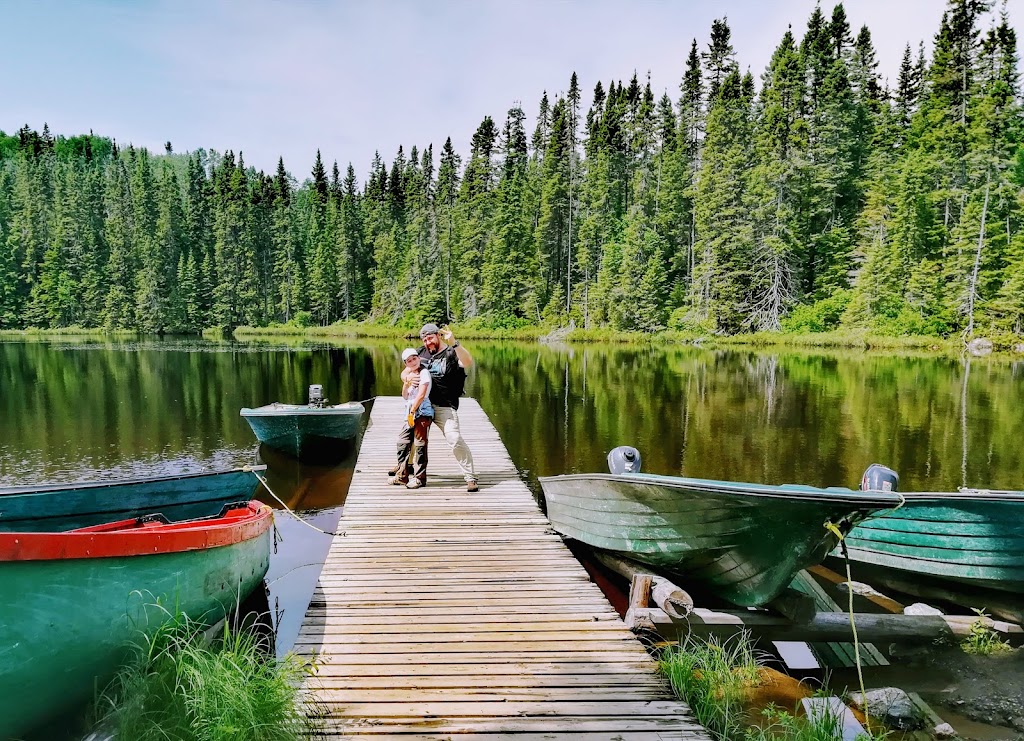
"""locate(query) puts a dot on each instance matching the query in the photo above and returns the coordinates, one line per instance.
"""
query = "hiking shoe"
(414, 484)
(471, 485)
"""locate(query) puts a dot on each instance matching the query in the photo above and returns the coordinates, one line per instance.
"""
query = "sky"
(277, 78)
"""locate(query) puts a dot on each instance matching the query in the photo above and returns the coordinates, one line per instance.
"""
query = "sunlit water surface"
(88, 409)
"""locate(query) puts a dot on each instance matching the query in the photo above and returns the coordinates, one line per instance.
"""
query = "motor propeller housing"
(879, 478)
(624, 459)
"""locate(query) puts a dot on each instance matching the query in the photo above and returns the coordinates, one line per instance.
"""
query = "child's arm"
(406, 383)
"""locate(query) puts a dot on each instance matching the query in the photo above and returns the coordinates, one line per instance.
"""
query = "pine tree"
(119, 310)
(476, 206)
(724, 240)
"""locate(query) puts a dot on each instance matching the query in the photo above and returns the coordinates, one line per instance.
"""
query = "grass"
(182, 686)
(824, 724)
(983, 641)
(68, 332)
(717, 680)
(712, 677)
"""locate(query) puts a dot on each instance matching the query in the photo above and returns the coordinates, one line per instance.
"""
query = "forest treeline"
(817, 198)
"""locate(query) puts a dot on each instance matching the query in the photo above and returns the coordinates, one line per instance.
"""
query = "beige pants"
(448, 420)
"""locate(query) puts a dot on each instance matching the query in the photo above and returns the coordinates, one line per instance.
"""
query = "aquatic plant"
(182, 685)
(824, 723)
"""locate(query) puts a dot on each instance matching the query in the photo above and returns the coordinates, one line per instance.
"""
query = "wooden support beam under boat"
(673, 600)
(794, 605)
(824, 626)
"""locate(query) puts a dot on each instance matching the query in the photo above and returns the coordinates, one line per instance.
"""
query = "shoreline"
(1006, 345)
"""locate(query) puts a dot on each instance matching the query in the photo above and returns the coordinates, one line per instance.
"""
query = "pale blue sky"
(271, 78)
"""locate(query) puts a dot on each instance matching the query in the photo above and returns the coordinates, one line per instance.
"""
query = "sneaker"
(394, 480)
(414, 484)
(471, 485)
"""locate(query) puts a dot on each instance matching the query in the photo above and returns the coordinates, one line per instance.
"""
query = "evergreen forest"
(815, 197)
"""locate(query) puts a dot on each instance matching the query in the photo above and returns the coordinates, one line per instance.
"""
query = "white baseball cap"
(408, 353)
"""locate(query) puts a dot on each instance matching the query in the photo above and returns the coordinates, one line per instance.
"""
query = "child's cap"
(407, 353)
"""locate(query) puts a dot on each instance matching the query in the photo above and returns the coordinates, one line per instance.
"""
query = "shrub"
(821, 316)
(302, 319)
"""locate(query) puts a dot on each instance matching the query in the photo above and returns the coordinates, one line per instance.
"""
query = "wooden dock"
(441, 614)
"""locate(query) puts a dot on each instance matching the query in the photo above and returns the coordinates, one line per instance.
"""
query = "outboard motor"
(624, 459)
(316, 396)
(879, 478)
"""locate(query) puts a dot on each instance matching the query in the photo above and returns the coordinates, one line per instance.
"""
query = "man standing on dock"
(447, 362)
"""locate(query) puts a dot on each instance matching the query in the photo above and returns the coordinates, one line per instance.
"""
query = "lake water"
(86, 409)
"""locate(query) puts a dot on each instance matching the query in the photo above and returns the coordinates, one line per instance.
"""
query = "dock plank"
(443, 613)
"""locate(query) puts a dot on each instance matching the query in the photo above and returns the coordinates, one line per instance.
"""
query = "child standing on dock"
(416, 382)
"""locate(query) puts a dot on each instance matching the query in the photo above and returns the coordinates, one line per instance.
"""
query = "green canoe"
(73, 602)
(305, 431)
(743, 541)
(972, 537)
(59, 507)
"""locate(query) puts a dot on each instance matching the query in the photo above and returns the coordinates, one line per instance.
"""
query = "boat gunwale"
(144, 540)
(350, 408)
(873, 499)
(967, 495)
(78, 485)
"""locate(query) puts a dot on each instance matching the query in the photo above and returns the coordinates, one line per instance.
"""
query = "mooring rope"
(853, 623)
(286, 508)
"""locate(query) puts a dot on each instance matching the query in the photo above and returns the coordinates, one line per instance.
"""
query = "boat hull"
(745, 542)
(70, 623)
(58, 508)
(305, 432)
(973, 539)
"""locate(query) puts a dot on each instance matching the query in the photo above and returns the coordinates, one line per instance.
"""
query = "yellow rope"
(830, 526)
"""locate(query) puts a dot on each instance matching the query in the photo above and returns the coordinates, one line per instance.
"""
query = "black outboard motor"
(879, 478)
(624, 459)
(316, 396)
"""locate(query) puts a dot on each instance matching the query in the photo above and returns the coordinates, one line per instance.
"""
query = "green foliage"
(302, 319)
(179, 686)
(821, 316)
(712, 678)
(983, 641)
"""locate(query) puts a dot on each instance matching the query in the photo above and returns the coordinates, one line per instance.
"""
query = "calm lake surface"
(77, 409)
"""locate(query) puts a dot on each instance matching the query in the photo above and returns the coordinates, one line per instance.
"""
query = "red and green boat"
(60, 507)
(73, 603)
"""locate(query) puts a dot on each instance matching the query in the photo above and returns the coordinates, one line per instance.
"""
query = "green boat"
(74, 602)
(745, 542)
(305, 431)
(60, 507)
(972, 538)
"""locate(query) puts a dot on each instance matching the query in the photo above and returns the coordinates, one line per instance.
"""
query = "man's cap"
(407, 353)
(429, 329)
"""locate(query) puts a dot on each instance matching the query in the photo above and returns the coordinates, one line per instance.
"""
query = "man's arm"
(465, 359)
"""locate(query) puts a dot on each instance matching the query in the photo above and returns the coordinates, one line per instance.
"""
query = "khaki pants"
(448, 420)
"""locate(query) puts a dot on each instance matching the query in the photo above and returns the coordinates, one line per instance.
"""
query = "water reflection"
(69, 411)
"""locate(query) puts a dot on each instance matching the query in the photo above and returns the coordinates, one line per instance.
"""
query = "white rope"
(286, 509)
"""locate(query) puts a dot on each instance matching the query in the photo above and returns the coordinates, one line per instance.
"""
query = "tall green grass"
(716, 678)
(712, 677)
(183, 686)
